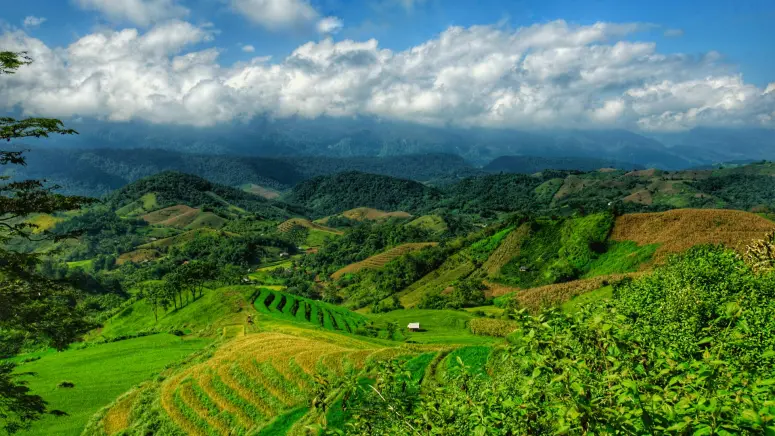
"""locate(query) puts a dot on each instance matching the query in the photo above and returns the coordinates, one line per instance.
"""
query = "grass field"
(44, 222)
(293, 222)
(433, 223)
(380, 260)
(370, 214)
(260, 383)
(100, 374)
(621, 257)
(83, 264)
(573, 305)
(214, 310)
(439, 326)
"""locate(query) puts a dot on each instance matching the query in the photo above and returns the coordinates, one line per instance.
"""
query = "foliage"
(173, 188)
(688, 350)
(329, 195)
(32, 307)
(536, 164)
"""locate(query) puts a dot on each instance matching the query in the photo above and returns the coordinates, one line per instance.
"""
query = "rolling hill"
(536, 164)
(176, 189)
(330, 195)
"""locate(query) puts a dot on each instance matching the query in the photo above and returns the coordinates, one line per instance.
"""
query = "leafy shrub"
(687, 350)
(66, 385)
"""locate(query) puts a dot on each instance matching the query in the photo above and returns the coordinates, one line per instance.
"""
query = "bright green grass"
(481, 250)
(488, 310)
(316, 237)
(283, 423)
(575, 304)
(100, 374)
(264, 278)
(621, 257)
(433, 223)
(453, 269)
(149, 201)
(327, 310)
(475, 358)
(441, 326)
(276, 265)
(215, 309)
(83, 264)
(546, 190)
(206, 220)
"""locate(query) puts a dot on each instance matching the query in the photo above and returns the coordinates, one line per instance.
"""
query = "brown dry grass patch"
(535, 299)
(642, 196)
(507, 250)
(137, 256)
(380, 260)
(370, 214)
(117, 418)
(681, 229)
(287, 226)
(168, 214)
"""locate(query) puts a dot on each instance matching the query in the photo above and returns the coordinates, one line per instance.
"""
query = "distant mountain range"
(370, 137)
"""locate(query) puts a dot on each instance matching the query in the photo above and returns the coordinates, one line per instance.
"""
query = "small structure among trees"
(414, 326)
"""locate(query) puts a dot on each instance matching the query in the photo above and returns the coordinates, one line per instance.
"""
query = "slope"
(329, 195)
(174, 189)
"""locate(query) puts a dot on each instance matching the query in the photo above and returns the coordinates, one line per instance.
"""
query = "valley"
(252, 314)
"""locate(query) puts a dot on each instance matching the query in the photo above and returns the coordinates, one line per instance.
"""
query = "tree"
(32, 307)
(157, 295)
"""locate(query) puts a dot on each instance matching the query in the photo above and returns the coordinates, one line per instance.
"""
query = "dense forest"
(536, 164)
(328, 195)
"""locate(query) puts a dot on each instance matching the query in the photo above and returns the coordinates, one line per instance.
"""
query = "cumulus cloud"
(329, 25)
(546, 75)
(277, 14)
(138, 12)
(33, 22)
(248, 48)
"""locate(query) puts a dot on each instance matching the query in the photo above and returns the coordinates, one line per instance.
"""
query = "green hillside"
(329, 195)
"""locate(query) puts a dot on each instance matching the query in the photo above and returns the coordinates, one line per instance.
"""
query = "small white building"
(414, 326)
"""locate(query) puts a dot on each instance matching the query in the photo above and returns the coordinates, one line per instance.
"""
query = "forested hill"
(171, 188)
(96, 172)
(328, 195)
(535, 164)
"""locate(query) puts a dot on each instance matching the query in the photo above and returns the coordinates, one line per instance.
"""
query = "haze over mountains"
(364, 136)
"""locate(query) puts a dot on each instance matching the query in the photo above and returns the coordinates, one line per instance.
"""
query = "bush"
(66, 385)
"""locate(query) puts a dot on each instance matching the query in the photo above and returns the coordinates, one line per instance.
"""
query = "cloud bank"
(552, 75)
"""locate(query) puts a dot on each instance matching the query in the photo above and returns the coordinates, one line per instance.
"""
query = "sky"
(656, 66)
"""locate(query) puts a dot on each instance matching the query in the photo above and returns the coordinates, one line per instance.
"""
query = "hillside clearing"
(678, 230)
(100, 374)
(380, 260)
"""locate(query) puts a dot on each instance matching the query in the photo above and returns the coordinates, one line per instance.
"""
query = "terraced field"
(293, 222)
(380, 260)
(732, 228)
(295, 308)
(262, 381)
(370, 214)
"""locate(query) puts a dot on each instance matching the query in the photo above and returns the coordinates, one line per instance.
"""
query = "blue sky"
(717, 56)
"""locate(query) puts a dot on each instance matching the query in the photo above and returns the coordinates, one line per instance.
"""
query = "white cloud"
(277, 14)
(139, 12)
(545, 75)
(248, 48)
(673, 33)
(33, 22)
(329, 25)
(410, 4)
